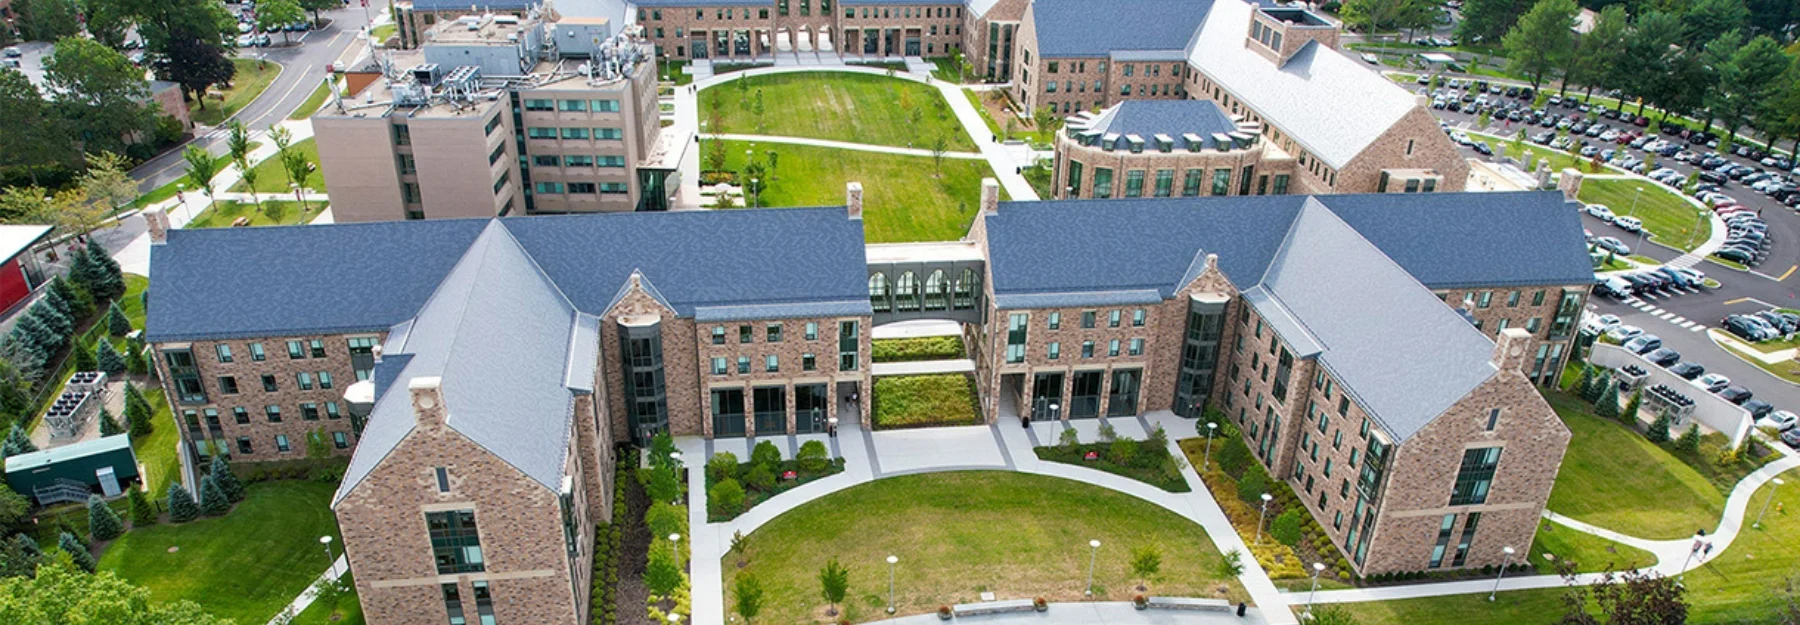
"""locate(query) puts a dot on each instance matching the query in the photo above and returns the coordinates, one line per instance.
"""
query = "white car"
(1623, 333)
(1461, 138)
(1712, 382)
(1629, 224)
(1603, 323)
(1601, 212)
(1781, 420)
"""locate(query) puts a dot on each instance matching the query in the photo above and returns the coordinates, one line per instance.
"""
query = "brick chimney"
(990, 196)
(157, 222)
(1511, 349)
(853, 199)
(1570, 183)
(427, 400)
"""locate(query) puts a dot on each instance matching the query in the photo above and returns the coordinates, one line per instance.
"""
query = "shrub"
(661, 483)
(1107, 433)
(1252, 486)
(722, 466)
(726, 497)
(760, 478)
(766, 455)
(918, 348)
(182, 507)
(662, 573)
(813, 457)
(1231, 564)
(79, 552)
(1690, 440)
(1146, 562)
(665, 518)
(1157, 441)
(1068, 439)
(1123, 451)
(1286, 528)
(1232, 456)
(142, 512)
(1659, 430)
(103, 523)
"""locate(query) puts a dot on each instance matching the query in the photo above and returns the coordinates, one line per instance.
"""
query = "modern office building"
(500, 115)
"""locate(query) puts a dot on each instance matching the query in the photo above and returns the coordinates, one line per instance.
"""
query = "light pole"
(330, 560)
(675, 547)
(674, 618)
(1053, 408)
(1261, 513)
(1765, 508)
(756, 194)
(1211, 426)
(1318, 567)
(1093, 556)
(1504, 562)
(180, 192)
(892, 560)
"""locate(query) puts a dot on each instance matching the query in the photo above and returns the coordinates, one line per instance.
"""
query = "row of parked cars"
(1662, 281)
(1634, 340)
(1762, 326)
(1747, 238)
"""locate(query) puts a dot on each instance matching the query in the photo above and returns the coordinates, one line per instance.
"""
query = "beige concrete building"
(497, 115)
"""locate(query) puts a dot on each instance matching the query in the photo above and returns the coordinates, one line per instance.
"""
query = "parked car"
(1792, 438)
(1735, 394)
(1688, 370)
(1712, 382)
(1663, 357)
(1758, 408)
(1614, 245)
(1629, 224)
(1744, 328)
(1643, 344)
(1624, 333)
(1781, 420)
(1601, 212)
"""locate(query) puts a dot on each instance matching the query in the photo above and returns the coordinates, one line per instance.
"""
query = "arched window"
(936, 287)
(906, 291)
(965, 290)
(878, 293)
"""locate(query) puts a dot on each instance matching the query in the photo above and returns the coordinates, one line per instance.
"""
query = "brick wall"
(1430, 149)
(250, 396)
(789, 351)
(1179, 161)
(685, 405)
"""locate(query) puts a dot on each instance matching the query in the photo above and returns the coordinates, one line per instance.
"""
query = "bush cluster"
(608, 536)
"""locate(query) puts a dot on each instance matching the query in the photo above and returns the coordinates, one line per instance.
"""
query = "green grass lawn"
(918, 348)
(168, 190)
(271, 177)
(1615, 478)
(1787, 370)
(1590, 553)
(312, 103)
(244, 566)
(347, 610)
(859, 108)
(252, 78)
(975, 100)
(1670, 219)
(959, 534)
(1533, 607)
(157, 453)
(945, 69)
(904, 199)
(382, 32)
(909, 401)
(672, 69)
(270, 213)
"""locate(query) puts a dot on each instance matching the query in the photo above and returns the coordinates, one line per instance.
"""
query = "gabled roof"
(1473, 239)
(1331, 104)
(1176, 119)
(1085, 28)
(497, 333)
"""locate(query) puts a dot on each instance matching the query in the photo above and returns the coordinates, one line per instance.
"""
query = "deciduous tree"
(34, 138)
(60, 593)
(1543, 39)
(98, 91)
(834, 582)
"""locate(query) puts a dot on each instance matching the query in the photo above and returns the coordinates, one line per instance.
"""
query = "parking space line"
(1789, 272)
(1737, 301)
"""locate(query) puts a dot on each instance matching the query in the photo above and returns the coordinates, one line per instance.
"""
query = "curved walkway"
(858, 447)
(844, 145)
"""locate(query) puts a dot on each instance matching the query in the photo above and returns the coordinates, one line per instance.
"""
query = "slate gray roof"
(480, 5)
(1473, 239)
(1085, 28)
(1330, 103)
(498, 334)
(220, 283)
(1173, 118)
(1398, 351)
(704, 3)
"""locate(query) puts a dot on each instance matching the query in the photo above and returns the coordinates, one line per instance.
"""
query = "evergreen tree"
(212, 499)
(79, 552)
(1659, 430)
(109, 426)
(19, 557)
(1629, 417)
(83, 359)
(108, 359)
(103, 523)
(87, 274)
(1690, 440)
(40, 336)
(17, 442)
(56, 300)
(59, 323)
(80, 306)
(1608, 404)
(143, 513)
(117, 323)
(111, 276)
(134, 357)
(1586, 379)
(228, 481)
(137, 411)
(24, 355)
(182, 507)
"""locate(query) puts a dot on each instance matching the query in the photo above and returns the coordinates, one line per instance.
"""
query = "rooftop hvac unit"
(407, 94)
(427, 74)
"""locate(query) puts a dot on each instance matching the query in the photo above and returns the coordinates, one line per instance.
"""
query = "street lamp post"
(180, 192)
(1318, 567)
(756, 194)
(329, 558)
(1504, 562)
(1093, 556)
(892, 560)
(1261, 513)
(1765, 508)
(1053, 408)
(1211, 426)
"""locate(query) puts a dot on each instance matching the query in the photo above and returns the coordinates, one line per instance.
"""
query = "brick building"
(1185, 148)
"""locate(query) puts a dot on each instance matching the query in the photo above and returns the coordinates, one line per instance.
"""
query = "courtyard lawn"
(1508, 608)
(1671, 220)
(1787, 369)
(912, 401)
(272, 178)
(672, 69)
(903, 197)
(270, 213)
(157, 453)
(252, 78)
(859, 108)
(382, 32)
(918, 348)
(1615, 478)
(244, 566)
(1590, 553)
(960, 534)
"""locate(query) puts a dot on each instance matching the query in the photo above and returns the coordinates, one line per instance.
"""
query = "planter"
(1140, 602)
(943, 613)
(1040, 604)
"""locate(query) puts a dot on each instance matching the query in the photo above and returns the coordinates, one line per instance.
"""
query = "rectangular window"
(309, 411)
(774, 333)
(492, 125)
(1054, 321)
(1134, 183)
(281, 443)
(1468, 537)
(535, 104)
(1221, 184)
(1087, 349)
(574, 133)
(606, 106)
(241, 415)
(743, 364)
(273, 412)
(256, 352)
(575, 160)
(609, 134)
(317, 347)
(719, 365)
(1165, 182)
(455, 542)
(1088, 319)
(771, 364)
(1113, 318)
(332, 411)
(1053, 350)
(1112, 348)
(268, 382)
(745, 335)
(1015, 337)
(849, 342)
(540, 133)
(340, 440)
(296, 350)
(1475, 476)
(1103, 182)
(549, 188)
(1493, 419)
(228, 385)
(1281, 184)
(224, 352)
(244, 446)
(484, 603)
(1190, 183)
(1137, 347)
(325, 380)
(304, 380)
(572, 106)
(808, 362)
(812, 331)
(1443, 541)
(443, 479)
(1138, 316)
(718, 335)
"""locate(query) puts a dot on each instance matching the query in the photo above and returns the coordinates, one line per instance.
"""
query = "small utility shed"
(19, 270)
(70, 472)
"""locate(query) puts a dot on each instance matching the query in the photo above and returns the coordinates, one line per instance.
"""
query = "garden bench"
(993, 607)
(1190, 603)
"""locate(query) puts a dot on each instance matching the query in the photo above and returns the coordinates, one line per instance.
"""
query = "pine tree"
(212, 500)
(109, 426)
(33, 331)
(79, 552)
(108, 270)
(85, 273)
(117, 324)
(80, 304)
(1659, 430)
(17, 442)
(58, 301)
(1690, 440)
(134, 359)
(137, 411)
(1608, 404)
(142, 512)
(103, 523)
(108, 359)
(182, 507)
(1629, 417)
(228, 481)
(1586, 380)
(83, 359)
(58, 323)
(25, 355)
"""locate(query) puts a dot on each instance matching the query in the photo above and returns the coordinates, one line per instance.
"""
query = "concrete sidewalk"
(1097, 613)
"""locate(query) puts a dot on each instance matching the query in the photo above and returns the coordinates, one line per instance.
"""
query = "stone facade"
(985, 34)
(1534, 309)
(754, 33)
(791, 349)
(686, 408)
(533, 571)
(216, 418)
(1270, 170)
(1104, 348)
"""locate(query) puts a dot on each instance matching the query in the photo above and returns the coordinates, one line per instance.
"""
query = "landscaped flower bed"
(918, 348)
(1147, 461)
(733, 488)
(913, 401)
(1291, 539)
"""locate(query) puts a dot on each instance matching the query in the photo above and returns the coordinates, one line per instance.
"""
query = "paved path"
(338, 568)
(917, 328)
(1096, 613)
(845, 145)
(1003, 446)
(919, 367)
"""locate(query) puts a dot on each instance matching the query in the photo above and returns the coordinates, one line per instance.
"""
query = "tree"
(14, 508)
(49, 20)
(99, 92)
(227, 480)
(1286, 527)
(117, 324)
(721, 466)
(1690, 439)
(19, 556)
(834, 582)
(182, 507)
(749, 596)
(60, 593)
(1746, 79)
(1634, 597)
(315, 6)
(84, 359)
(17, 442)
(109, 426)
(34, 137)
(238, 144)
(212, 499)
(662, 485)
(1488, 20)
(200, 169)
(1371, 16)
(1543, 39)
(1607, 405)
(740, 545)
(142, 512)
(1146, 562)
(1779, 115)
(78, 552)
(1659, 430)
(195, 63)
(1252, 486)
(939, 145)
(108, 359)
(1708, 19)
(1629, 416)
(725, 498)
(137, 412)
(662, 572)
(108, 184)
(103, 523)
(277, 14)
(813, 457)
(1231, 564)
